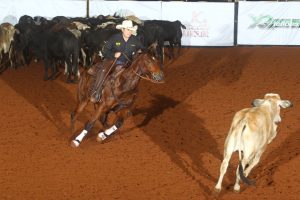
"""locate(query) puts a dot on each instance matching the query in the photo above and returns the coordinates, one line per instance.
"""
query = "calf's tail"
(241, 170)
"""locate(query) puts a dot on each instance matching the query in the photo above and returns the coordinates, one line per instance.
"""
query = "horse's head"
(147, 67)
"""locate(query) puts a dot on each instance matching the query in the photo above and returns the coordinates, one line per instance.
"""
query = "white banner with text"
(268, 23)
(207, 24)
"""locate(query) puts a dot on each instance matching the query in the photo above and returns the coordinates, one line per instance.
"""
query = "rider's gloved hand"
(117, 54)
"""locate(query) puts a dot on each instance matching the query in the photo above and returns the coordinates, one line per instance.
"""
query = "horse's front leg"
(121, 116)
(79, 108)
(88, 126)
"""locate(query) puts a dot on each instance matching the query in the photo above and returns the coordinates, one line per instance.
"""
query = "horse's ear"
(153, 47)
(134, 55)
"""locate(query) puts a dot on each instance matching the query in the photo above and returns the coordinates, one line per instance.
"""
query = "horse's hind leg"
(76, 112)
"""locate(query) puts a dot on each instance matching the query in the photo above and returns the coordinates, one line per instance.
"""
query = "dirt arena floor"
(170, 149)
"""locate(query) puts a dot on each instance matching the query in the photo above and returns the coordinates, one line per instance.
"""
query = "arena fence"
(207, 23)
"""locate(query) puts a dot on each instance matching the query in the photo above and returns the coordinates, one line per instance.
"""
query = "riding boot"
(97, 87)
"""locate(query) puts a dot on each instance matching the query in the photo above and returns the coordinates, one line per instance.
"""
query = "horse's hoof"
(217, 190)
(101, 136)
(236, 190)
(75, 143)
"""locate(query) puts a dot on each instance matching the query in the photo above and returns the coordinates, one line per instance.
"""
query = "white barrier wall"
(144, 10)
(268, 23)
(12, 10)
(207, 24)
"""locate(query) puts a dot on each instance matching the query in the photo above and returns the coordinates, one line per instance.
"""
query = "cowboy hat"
(127, 24)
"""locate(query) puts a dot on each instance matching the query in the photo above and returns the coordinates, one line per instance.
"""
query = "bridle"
(136, 72)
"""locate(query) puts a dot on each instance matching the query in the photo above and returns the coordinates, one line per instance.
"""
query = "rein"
(143, 77)
(135, 72)
(126, 57)
(110, 68)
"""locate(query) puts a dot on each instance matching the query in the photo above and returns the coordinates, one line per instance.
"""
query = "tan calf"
(7, 32)
(250, 132)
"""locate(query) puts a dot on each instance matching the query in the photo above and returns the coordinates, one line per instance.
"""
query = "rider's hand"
(117, 54)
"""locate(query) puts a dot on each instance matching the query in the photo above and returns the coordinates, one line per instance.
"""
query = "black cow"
(62, 45)
(38, 20)
(50, 44)
(94, 40)
(61, 19)
(161, 31)
(26, 19)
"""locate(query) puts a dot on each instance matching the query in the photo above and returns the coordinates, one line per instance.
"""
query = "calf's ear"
(257, 102)
(285, 104)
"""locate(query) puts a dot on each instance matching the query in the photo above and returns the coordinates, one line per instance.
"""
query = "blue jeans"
(119, 62)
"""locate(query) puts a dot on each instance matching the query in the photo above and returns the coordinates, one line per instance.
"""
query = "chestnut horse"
(118, 93)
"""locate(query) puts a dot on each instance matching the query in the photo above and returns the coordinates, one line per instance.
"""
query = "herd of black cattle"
(75, 41)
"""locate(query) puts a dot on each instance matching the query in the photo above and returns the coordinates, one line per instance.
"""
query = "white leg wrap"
(111, 130)
(101, 136)
(81, 135)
